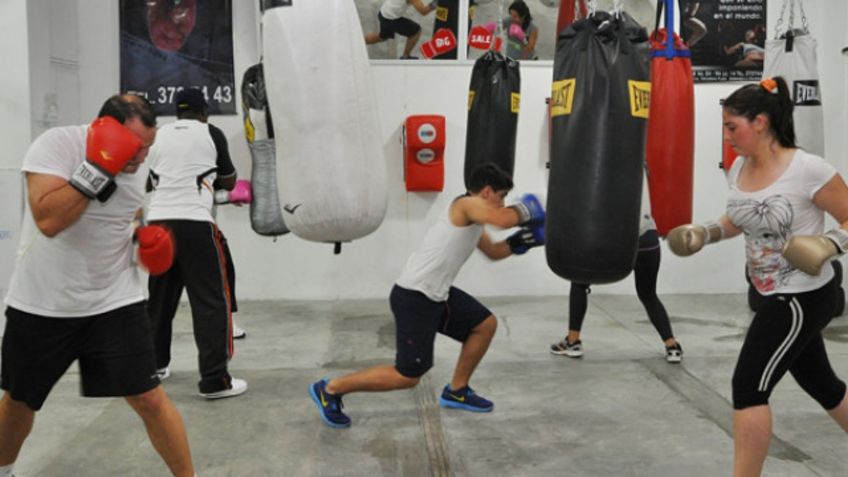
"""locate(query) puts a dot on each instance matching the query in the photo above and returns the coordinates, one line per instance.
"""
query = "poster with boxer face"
(168, 45)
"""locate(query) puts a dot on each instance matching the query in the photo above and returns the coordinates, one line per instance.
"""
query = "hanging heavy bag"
(266, 218)
(792, 55)
(494, 97)
(447, 16)
(599, 107)
(332, 178)
(569, 11)
(671, 128)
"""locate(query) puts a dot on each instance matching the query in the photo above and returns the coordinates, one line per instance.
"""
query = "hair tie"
(769, 85)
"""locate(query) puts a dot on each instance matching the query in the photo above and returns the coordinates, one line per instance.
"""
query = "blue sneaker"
(466, 399)
(330, 405)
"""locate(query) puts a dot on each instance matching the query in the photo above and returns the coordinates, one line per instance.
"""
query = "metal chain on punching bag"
(804, 25)
(617, 8)
(779, 25)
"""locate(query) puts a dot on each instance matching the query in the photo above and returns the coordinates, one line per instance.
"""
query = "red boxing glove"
(155, 248)
(442, 42)
(109, 146)
(242, 193)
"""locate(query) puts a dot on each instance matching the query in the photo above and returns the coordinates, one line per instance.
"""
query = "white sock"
(6, 470)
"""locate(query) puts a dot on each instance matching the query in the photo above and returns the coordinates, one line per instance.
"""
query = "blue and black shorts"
(418, 319)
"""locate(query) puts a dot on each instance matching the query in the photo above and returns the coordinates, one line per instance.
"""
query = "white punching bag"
(332, 175)
(792, 54)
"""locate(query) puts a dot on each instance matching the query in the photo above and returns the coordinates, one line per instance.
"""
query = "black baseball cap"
(190, 99)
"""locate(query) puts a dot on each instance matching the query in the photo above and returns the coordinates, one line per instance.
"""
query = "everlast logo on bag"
(806, 93)
(442, 14)
(514, 102)
(640, 98)
(562, 97)
(471, 98)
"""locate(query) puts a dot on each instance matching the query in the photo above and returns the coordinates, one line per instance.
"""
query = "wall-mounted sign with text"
(727, 38)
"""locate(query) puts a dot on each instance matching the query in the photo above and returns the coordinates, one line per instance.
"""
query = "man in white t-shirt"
(188, 162)
(75, 294)
(392, 21)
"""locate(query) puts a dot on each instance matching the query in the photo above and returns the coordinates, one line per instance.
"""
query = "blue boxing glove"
(530, 210)
(526, 238)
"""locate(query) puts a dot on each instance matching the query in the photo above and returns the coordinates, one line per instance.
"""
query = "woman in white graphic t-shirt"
(778, 198)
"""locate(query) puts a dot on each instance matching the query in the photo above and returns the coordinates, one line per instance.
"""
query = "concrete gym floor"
(621, 410)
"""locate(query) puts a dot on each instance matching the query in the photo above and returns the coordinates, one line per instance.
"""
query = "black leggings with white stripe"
(786, 335)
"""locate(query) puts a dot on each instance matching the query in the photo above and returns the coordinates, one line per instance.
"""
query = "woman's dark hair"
(754, 99)
(127, 106)
(489, 174)
(523, 11)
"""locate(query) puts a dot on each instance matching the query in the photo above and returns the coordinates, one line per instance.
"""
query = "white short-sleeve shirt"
(771, 215)
(88, 268)
(184, 159)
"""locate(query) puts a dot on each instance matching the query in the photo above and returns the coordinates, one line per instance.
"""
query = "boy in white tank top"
(424, 301)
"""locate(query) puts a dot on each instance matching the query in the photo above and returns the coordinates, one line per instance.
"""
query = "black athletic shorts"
(418, 319)
(402, 26)
(114, 351)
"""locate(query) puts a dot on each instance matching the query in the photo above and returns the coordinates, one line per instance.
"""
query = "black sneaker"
(565, 348)
(410, 57)
(330, 405)
(674, 354)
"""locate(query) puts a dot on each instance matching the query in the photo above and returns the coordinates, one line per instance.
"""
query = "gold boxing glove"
(809, 253)
(688, 239)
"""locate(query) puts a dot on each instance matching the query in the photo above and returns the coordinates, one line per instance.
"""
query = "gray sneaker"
(564, 348)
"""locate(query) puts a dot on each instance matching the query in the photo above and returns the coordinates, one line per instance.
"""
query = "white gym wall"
(72, 60)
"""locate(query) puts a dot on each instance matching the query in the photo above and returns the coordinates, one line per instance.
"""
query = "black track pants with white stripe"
(786, 335)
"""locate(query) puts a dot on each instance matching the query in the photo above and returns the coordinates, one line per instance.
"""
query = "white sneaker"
(674, 354)
(163, 373)
(237, 387)
(238, 332)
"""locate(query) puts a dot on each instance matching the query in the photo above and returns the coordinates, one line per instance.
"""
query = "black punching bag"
(599, 111)
(494, 97)
(447, 16)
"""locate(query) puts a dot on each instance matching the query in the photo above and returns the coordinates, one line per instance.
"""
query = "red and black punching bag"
(600, 101)
(569, 12)
(671, 127)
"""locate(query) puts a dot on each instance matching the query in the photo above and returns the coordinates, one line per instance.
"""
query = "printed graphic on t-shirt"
(767, 226)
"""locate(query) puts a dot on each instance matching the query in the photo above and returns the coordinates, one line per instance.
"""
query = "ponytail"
(783, 124)
(771, 97)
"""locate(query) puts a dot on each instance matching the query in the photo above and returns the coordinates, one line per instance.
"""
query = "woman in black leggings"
(778, 197)
(645, 272)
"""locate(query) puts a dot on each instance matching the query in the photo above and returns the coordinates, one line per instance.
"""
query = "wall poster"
(168, 45)
(727, 38)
